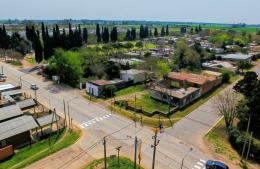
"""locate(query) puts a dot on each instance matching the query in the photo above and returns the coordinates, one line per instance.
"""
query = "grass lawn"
(218, 138)
(30, 59)
(124, 163)
(16, 63)
(130, 90)
(150, 105)
(27, 155)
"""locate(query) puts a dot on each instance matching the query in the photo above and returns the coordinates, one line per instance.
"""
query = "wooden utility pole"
(136, 142)
(135, 112)
(118, 151)
(65, 122)
(105, 153)
(245, 141)
(249, 146)
(155, 144)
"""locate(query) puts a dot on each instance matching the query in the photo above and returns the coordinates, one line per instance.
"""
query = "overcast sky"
(218, 11)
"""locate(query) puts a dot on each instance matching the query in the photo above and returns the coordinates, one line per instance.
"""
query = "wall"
(93, 89)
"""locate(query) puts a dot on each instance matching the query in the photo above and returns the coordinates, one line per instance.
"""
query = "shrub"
(237, 139)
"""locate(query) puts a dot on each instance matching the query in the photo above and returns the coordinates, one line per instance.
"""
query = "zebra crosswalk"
(95, 120)
(200, 164)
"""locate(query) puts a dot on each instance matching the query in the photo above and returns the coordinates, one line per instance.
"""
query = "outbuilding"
(133, 74)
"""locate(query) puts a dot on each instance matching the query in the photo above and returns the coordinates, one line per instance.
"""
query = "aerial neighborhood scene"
(129, 84)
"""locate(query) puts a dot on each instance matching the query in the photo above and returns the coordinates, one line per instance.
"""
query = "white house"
(96, 87)
(133, 74)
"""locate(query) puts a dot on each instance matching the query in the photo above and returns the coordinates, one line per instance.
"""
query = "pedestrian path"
(95, 120)
(200, 164)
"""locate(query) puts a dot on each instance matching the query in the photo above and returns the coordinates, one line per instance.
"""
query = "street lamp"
(68, 103)
(182, 161)
(34, 87)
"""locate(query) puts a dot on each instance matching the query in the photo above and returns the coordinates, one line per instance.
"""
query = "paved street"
(97, 122)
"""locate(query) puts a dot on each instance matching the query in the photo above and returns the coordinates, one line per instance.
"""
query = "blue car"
(215, 165)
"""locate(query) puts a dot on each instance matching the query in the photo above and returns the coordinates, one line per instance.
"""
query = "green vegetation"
(130, 90)
(30, 59)
(124, 163)
(16, 63)
(27, 155)
(218, 137)
(150, 105)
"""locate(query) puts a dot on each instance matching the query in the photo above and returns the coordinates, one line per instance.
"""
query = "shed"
(25, 104)
(237, 57)
(16, 131)
(48, 119)
(8, 112)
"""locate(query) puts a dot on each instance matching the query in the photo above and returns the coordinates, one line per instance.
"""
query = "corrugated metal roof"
(6, 87)
(26, 103)
(16, 126)
(12, 92)
(10, 111)
(46, 119)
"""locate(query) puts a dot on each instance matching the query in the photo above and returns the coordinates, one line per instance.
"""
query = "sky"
(215, 11)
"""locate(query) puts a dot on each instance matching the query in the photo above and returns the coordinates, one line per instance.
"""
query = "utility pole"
(69, 113)
(136, 142)
(118, 151)
(105, 153)
(155, 144)
(249, 146)
(244, 146)
(64, 107)
(135, 112)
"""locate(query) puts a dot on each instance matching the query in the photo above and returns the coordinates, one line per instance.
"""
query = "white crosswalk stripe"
(200, 164)
(95, 120)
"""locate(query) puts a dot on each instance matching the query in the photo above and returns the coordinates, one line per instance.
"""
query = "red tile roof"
(190, 77)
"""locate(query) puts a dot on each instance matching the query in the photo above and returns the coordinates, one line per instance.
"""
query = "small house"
(96, 87)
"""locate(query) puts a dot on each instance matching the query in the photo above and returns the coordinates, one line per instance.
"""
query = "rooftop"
(132, 71)
(16, 126)
(237, 56)
(190, 77)
(4, 87)
(178, 93)
(10, 111)
(101, 82)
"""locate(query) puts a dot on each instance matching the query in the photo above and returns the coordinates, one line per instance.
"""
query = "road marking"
(197, 166)
(95, 120)
(200, 164)
(203, 161)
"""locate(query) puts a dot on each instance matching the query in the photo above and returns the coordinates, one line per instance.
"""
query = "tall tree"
(163, 31)
(38, 48)
(85, 35)
(98, 33)
(141, 33)
(167, 30)
(155, 32)
(133, 34)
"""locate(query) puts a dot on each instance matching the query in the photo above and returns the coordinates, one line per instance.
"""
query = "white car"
(34, 86)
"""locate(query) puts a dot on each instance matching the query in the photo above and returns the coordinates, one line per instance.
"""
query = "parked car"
(2, 77)
(215, 165)
(34, 86)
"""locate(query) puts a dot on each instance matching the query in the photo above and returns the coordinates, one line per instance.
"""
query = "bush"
(226, 75)
(237, 139)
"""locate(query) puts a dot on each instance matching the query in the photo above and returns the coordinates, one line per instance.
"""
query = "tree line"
(15, 41)
(44, 44)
